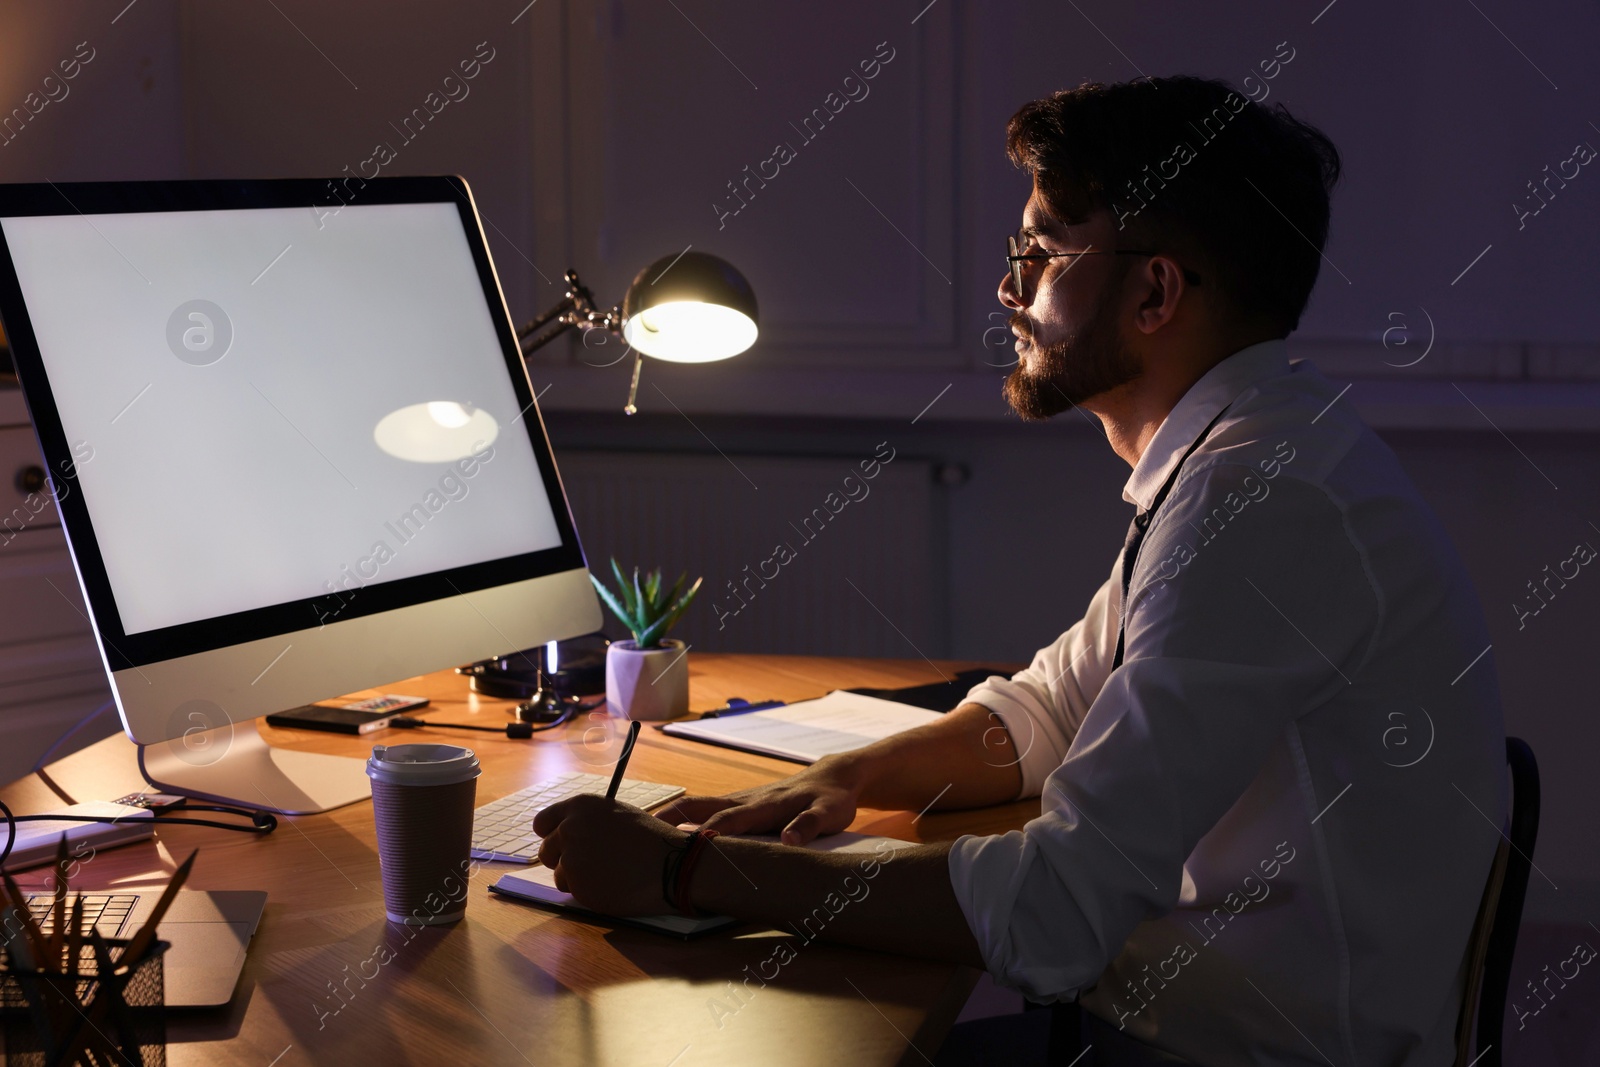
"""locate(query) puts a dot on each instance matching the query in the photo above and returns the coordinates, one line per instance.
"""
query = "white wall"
(121, 116)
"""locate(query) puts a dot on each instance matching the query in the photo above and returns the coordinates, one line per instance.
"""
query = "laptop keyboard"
(502, 830)
(105, 912)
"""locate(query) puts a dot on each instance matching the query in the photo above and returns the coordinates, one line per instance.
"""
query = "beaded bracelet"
(669, 869)
(679, 868)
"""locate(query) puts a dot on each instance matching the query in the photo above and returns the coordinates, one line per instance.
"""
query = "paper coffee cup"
(422, 801)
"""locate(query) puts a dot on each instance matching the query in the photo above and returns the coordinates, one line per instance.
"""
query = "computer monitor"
(296, 454)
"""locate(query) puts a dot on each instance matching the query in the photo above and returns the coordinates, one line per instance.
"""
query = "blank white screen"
(256, 480)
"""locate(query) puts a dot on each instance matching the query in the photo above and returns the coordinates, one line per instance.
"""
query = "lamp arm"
(576, 308)
(532, 343)
(540, 321)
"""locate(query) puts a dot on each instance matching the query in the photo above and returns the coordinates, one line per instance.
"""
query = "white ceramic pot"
(647, 684)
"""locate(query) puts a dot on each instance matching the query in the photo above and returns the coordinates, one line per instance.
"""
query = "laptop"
(209, 932)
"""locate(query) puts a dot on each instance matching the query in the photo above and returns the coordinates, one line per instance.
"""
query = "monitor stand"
(233, 764)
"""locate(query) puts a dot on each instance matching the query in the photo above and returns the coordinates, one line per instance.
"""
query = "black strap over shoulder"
(1141, 524)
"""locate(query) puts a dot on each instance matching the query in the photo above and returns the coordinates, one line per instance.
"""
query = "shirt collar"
(1215, 390)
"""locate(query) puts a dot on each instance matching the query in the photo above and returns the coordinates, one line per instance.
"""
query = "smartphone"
(357, 717)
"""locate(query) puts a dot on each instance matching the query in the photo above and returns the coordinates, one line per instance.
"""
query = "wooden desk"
(515, 984)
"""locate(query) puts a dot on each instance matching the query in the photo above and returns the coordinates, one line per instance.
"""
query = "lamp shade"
(690, 308)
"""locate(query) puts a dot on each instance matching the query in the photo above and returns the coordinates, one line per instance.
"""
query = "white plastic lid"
(422, 764)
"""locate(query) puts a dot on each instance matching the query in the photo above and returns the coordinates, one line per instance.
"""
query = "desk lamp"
(690, 308)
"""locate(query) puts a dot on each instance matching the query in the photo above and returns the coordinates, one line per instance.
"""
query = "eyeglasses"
(1015, 259)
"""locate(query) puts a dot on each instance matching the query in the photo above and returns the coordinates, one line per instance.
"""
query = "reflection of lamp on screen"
(690, 308)
(438, 431)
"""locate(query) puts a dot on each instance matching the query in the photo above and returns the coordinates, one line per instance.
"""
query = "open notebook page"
(809, 729)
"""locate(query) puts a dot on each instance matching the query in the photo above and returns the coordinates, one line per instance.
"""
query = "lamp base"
(580, 671)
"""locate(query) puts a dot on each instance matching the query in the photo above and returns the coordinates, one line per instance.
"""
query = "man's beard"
(1091, 361)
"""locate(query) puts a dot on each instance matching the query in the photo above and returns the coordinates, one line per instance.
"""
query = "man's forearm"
(893, 900)
(965, 760)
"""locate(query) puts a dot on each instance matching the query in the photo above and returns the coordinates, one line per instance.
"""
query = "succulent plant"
(645, 608)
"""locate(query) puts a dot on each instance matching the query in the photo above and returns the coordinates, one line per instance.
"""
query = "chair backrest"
(1478, 952)
(1494, 935)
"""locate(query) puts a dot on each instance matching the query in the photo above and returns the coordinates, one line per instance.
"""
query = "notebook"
(537, 884)
(810, 729)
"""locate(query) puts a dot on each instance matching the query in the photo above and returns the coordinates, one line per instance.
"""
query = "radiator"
(799, 555)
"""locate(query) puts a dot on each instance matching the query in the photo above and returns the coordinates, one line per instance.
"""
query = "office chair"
(1494, 934)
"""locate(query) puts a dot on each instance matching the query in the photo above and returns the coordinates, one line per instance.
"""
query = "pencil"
(622, 761)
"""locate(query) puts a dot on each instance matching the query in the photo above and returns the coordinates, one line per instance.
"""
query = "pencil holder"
(49, 1018)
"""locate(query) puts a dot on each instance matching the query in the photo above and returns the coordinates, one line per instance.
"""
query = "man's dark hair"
(1234, 190)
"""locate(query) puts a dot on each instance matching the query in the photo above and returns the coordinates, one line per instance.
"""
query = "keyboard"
(104, 912)
(502, 830)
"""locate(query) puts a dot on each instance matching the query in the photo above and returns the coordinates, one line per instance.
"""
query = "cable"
(11, 833)
(261, 822)
(55, 746)
(517, 730)
(54, 788)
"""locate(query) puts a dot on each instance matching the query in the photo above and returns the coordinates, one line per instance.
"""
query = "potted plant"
(647, 677)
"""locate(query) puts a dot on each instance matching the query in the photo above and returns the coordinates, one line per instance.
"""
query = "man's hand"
(964, 760)
(818, 800)
(607, 854)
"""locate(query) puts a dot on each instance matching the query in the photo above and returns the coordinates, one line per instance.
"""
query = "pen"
(622, 761)
(740, 707)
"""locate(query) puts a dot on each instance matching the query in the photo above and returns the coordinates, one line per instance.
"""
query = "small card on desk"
(537, 884)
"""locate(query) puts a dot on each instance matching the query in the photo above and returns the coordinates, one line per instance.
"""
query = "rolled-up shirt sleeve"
(1043, 705)
(1252, 629)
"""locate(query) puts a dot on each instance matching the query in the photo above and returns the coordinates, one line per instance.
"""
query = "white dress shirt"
(1264, 838)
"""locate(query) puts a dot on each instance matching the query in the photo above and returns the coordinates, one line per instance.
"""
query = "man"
(1270, 786)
